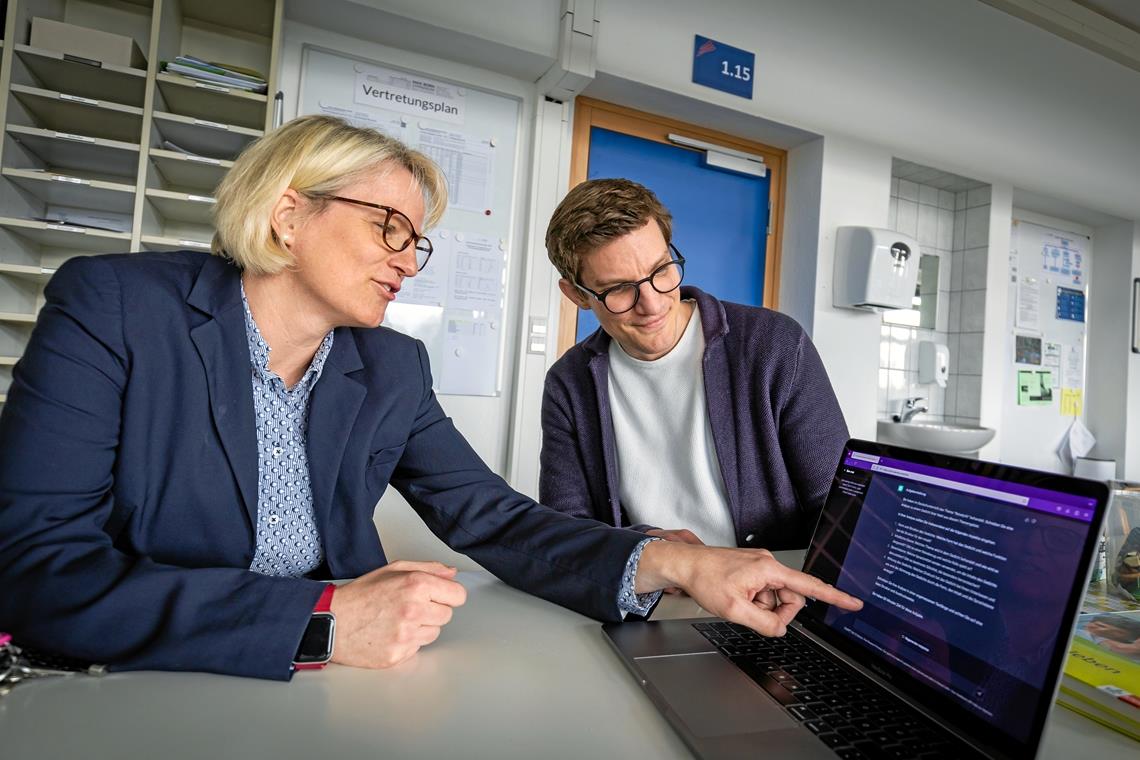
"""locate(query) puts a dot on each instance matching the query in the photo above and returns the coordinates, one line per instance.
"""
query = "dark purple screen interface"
(964, 579)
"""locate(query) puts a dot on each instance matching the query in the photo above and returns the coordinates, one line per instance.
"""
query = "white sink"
(935, 436)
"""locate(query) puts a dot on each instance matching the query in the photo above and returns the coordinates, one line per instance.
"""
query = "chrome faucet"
(910, 407)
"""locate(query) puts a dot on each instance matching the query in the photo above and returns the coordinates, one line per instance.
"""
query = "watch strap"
(323, 605)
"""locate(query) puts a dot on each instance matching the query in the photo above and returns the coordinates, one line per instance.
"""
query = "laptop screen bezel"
(948, 711)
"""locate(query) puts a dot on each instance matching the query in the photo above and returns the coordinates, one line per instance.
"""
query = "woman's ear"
(284, 215)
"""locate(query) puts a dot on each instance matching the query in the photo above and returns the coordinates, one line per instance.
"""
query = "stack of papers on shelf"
(216, 73)
(1102, 674)
(108, 221)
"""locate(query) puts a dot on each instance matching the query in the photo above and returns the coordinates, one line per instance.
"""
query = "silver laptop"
(971, 573)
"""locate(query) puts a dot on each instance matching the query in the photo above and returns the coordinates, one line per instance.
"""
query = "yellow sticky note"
(1071, 401)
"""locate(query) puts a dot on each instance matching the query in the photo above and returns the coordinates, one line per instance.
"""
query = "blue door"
(720, 218)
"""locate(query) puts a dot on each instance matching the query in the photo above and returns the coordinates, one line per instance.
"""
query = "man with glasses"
(683, 416)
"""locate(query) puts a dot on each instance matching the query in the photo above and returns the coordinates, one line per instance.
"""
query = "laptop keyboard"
(849, 713)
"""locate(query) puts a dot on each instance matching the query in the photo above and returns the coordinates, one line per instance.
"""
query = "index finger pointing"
(813, 587)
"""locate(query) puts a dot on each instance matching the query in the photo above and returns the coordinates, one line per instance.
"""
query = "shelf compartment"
(91, 157)
(203, 137)
(163, 243)
(63, 239)
(204, 100)
(56, 71)
(63, 190)
(20, 298)
(20, 317)
(182, 207)
(61, 112)
(23, 271)
(14, 339)
(173, 221)
(250, 16)
(192, 174)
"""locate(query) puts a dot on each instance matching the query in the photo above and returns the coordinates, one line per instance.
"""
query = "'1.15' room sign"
(723, 67)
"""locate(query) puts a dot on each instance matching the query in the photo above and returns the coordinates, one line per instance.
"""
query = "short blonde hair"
(316, 156)
(596, 212)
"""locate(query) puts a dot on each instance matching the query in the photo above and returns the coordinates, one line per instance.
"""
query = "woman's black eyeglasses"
(397, 230)
(624, 296)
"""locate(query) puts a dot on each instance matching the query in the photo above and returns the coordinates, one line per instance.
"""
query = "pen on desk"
(278, 109)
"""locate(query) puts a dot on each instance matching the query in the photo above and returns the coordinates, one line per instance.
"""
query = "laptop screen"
(971, 574)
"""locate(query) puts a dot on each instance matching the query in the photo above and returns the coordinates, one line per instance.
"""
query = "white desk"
(511, 677)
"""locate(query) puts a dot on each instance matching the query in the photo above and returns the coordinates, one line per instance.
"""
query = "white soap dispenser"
(933, 362)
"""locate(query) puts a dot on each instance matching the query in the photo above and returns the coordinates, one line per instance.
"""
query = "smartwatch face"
(317, 643)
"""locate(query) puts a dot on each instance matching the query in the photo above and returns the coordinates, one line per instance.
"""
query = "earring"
(285, 239)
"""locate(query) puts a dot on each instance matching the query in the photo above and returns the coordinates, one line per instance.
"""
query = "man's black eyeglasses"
(397, 230)
(624, 296)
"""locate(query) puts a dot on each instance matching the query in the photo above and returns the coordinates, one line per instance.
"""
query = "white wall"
(1109, 341)
(1113, 377)
(855, 189)
(831, 183)
(800, 257)
(995, 393)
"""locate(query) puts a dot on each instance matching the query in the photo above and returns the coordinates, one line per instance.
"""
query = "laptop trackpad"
(712, 696)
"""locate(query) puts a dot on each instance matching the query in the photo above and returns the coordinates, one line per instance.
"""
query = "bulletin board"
(1049, 270)
(457, 306)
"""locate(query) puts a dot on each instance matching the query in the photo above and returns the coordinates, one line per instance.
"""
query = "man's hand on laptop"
(746, 586)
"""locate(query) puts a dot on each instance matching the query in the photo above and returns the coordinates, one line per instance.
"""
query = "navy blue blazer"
(128, 478)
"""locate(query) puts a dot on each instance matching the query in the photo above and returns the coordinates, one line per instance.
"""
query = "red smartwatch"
(316, 646)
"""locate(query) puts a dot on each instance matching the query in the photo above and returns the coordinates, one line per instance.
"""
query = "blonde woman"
(194, 444)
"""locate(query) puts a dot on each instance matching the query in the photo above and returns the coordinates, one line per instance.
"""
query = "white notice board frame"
(459, 307)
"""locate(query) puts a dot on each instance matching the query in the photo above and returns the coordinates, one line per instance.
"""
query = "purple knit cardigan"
(776, 424)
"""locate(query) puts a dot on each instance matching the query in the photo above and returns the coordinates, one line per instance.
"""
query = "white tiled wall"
(954, 227)
(968, 304)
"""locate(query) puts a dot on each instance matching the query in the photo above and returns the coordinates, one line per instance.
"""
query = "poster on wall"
(1034, 388)
(1072, 402)
(467, 164)
(1061, 255)
(1027, 349)
(1071, 304)
(1074, 366)
(1029, 303)
(1051, 360)
(458, 304)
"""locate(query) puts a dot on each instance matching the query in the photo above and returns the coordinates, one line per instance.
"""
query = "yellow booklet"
(1102, 672)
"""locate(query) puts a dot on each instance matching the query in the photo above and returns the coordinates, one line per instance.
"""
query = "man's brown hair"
(596, 212)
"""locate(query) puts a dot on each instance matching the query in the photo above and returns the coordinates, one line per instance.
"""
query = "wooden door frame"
(590, 113)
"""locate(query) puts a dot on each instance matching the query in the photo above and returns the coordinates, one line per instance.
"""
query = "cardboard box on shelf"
(80, 41)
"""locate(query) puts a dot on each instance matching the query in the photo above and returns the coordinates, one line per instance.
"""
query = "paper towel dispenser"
(875, 269)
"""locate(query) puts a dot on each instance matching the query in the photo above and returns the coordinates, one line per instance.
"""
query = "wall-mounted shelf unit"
(101, 157)
(52, 70)
(200, 137)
